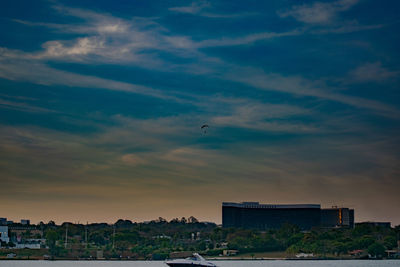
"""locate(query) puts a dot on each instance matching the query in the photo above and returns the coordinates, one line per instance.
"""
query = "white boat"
(194, 260)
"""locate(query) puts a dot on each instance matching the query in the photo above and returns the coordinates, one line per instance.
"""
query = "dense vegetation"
(158, 239)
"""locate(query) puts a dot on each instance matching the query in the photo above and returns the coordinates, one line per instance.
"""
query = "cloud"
(12, 67)
(85, 168)
(193, 8)
(23, 106)
(372, 72)
(318, 12)
(244, 40)
(83, 46)
(107, 39)
(132, 159)
(297, 85)
(113, 40)
(142, 35)
(263, 117)
(95, 22)
(187, 156)
(197, 8)
(346, 27)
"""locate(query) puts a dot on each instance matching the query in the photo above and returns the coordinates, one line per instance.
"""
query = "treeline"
(125, 239)
(362, 240)
(158, 239)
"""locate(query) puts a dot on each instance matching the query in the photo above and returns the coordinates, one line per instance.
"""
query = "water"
(279, 263)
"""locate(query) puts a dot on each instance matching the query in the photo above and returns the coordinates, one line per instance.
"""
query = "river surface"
(277, 263)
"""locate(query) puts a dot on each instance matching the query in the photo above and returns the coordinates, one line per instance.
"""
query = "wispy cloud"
(21, 70)
(193, 8)
(23, 106)
(244, 40)
(108, 173)
(111, 40)
(200, 8)
(372, 72)
(299, 86)
(323, 17)
(346, 27)
(264, 117)
(318, 12)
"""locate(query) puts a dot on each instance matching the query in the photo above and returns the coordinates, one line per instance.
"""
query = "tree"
(390, 242)
(376, 250)
(51, 239)
(192, 220)
(364, 242)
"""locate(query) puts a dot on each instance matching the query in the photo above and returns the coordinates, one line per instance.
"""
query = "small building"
(304, 255)
(4, 234)
(229, 252)
(27, 245)
(392, 254)
(3, 221)
(99, 254)
(25, 222)
(376, 224)
(357, 253)
(31, 243)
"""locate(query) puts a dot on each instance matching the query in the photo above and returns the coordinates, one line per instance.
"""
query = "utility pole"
(86, 234)
(113, 236)
(66, 235)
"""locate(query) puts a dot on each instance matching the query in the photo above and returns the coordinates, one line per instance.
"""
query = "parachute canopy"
(204, 128)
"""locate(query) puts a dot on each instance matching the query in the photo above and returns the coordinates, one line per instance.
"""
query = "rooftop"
(257, 205)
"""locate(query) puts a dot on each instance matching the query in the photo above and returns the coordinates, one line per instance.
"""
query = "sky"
(101, 104)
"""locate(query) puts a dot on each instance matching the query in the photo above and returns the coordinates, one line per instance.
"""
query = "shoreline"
(209, 259)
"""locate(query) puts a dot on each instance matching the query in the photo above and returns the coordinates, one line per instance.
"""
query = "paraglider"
(204, 127)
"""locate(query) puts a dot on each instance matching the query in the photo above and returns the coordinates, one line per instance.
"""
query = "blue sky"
(101, 105)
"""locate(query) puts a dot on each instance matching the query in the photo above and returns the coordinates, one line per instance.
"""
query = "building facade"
(337, 217)
(4, 234)
(253, 215)
(25, 222)
(376, 224)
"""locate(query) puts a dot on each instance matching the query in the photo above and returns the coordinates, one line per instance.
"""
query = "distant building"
(376, 224)
(3, 221)
(4, 234)
(229, 252)
(253, 215)
(31, 243)
(337, 217)
(99, 254)
(25, 222)
(268, 216)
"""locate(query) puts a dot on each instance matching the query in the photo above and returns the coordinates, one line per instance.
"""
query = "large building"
(252, 215)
